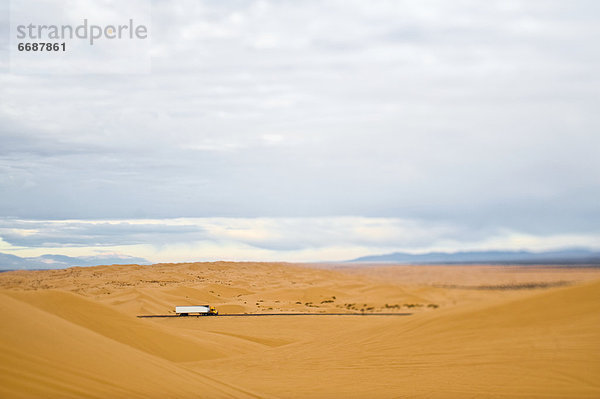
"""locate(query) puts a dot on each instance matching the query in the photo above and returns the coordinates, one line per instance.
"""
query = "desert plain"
(452, 332)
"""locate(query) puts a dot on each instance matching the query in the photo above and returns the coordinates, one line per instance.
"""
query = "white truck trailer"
(202, 310)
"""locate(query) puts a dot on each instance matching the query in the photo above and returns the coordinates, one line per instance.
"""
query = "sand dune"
(74, 332)
(44, 355)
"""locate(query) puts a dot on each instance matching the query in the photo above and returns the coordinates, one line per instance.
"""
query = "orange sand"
(475, 331)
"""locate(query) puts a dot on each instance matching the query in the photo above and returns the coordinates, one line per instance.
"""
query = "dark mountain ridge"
(568, 256)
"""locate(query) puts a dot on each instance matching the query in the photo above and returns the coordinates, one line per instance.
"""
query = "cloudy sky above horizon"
(313, 130)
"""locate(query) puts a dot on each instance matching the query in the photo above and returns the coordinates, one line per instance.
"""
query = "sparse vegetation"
(514, 286)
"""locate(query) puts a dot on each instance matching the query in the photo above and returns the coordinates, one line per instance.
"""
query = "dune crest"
(74, 332)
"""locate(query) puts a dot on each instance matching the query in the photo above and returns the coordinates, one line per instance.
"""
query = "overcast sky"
(314, 130)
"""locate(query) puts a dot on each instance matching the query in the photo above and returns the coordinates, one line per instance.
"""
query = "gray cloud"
(279, 234)
(299, 239)
(29, 233)
(480, 116)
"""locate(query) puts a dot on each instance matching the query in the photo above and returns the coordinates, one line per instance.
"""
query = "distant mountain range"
(572, 256)
(13, 262)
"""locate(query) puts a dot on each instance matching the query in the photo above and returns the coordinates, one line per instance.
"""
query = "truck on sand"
(201, 310)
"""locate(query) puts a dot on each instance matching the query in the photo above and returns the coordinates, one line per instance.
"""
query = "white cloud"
(465, 118)
(291, 239)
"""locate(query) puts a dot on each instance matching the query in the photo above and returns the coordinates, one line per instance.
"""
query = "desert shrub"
(412, 305)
